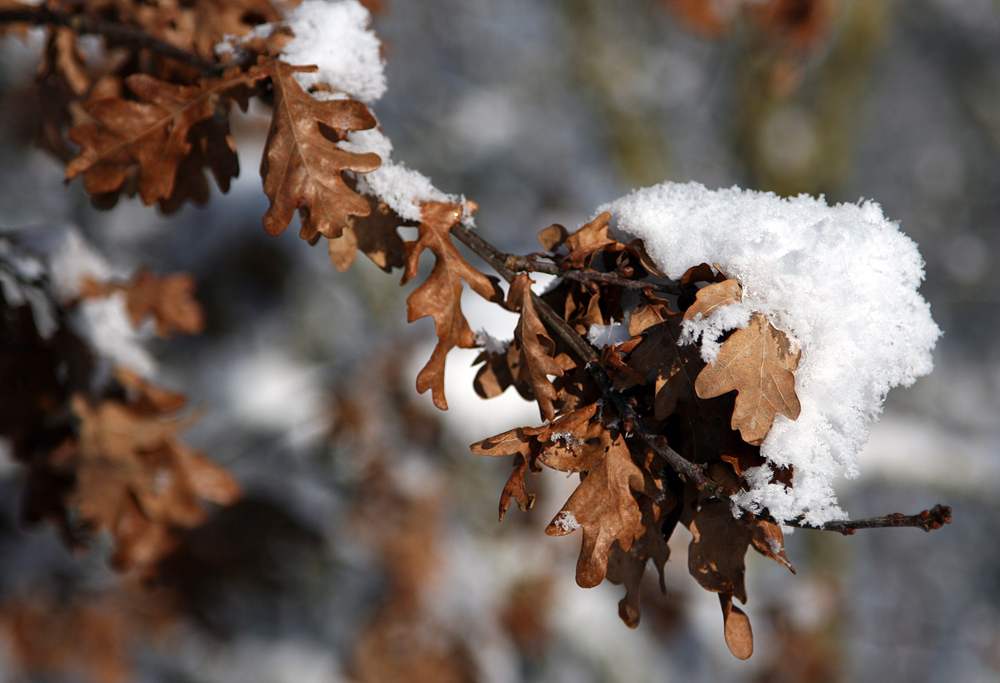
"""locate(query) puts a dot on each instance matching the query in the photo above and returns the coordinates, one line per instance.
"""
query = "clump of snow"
(709, 330)
(401, 188)
(603, 335)
(491, 344)
(566, 521)
(334, 35)
(841, 281)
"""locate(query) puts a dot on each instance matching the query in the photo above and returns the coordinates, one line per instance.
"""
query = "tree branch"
(113, 32)
(928, 520)
(527, 264)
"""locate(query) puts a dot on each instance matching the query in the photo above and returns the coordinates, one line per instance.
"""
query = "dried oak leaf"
(769, 541)
(495, 376)
(373, 235)
(657, 357)
(757, 362)
(739, 636)
(441, 294)
(168, 300)
(163, 139)
(302, 165)
(536, 349)
(135, 479)
(713, 297)
(528, 443)
(525, 449)
(718, 547)
(660, 509)
(603, 505)
(593, 237)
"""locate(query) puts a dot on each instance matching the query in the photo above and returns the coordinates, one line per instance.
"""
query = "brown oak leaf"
(769, 541)
(163, 139)
(373, 235)
(672, 368)
(714, 296)
(593, 237)
(536, 349)
(302, 166)
(135, 479)
(660, 509)
(757, 362)
(718, 547)
(603, 505)
(168, 300)
(441, 294)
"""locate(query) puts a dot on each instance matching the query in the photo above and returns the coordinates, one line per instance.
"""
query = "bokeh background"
(366, 547)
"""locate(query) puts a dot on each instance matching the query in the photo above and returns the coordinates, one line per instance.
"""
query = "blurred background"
(366, 546)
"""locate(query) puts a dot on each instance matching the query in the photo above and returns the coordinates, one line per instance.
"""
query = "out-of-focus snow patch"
(254, 660)
(911, 449)
(487, 120)
(588, 621)
(268, 389)
(105, 324)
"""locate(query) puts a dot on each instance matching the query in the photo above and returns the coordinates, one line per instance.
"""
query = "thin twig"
(928, 520)
(115, 33)
(526, 264)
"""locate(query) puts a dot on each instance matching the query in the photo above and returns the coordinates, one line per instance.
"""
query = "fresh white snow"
(841, 281)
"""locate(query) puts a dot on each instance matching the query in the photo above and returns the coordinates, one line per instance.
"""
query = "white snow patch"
(604, 335)
(566, 521)
(841, 281)
(105, 324)
(335, 37)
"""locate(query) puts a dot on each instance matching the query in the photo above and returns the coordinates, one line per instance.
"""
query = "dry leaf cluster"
(105, 456)
(629, 500)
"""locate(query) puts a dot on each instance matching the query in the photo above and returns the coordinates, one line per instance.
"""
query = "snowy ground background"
(540, 112)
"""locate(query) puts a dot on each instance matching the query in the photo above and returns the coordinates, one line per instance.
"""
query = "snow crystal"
(841, 281)
(335, 37)
(491, 344)
(603, 335)
(566, 521)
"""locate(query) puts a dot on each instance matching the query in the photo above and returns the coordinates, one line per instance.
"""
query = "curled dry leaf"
(758, 363)
(440, 295)
(302, 166)
(164, 138)
(593, 237)
(535, 347)
(660, 510)
(769, 541)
